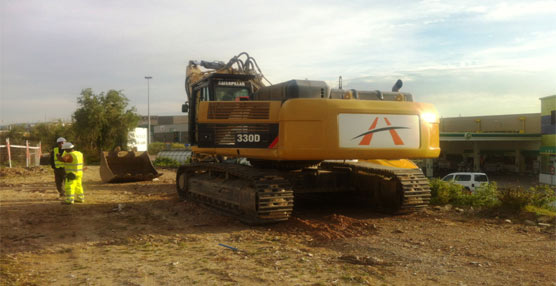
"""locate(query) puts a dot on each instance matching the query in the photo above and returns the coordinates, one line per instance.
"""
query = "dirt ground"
(140, 234)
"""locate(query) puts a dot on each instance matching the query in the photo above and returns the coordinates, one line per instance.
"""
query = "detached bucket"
(123, 166)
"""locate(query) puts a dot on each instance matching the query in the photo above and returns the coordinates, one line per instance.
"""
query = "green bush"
(176, 146)
(166, 163)
(516, 199)
(450, 193)
(490, 196)
(156, 147)
(447, 193)
(485, 196)
(544, 197)
(540, 211)
(91, 157)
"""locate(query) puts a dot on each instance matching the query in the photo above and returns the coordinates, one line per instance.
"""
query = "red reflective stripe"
(274, 142)
(367, 138)
(396, 137)
(394, 134)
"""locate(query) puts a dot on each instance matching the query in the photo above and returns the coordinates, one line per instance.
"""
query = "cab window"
(448, 178)
(481, 178)
(231, 93)
(463, 178)
(205, 94)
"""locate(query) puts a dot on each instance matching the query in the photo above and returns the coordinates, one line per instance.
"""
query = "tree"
(102, 122)
(47, 133)
(16, 134)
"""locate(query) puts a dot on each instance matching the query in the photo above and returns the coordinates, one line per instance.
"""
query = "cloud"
(512, 11)
(469, 91)
(51, 51)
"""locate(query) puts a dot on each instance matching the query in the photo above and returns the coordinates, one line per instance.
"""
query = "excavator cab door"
(200, 92)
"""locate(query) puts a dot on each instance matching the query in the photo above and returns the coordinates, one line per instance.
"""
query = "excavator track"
(254, 196)
(396, 189)
(262, 196)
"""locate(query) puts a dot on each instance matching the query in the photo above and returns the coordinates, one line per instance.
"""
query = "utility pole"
(148, 78)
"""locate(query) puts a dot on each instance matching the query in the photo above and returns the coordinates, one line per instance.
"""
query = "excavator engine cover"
(124, 166)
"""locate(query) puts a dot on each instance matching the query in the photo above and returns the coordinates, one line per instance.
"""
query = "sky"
(466, 57)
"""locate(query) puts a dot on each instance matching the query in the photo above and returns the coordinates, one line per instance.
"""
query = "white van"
(470, 181)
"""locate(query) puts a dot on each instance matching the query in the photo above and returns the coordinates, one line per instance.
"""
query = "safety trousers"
(60, 179)
(74, 190)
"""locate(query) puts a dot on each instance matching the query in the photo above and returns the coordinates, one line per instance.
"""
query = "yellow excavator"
(299, 136)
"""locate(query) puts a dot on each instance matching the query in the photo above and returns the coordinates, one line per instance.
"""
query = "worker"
(73, 163)
(58, 166)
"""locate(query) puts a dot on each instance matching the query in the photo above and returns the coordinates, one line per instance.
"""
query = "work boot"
(67, 203)
(81, 202)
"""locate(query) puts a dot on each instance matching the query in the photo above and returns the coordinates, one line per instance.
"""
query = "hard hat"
(61, 139)
(67, 145)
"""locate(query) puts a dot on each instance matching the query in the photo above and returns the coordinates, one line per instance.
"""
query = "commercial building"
(495, 143)
(514, 143)
(167, 128)
(548, 140)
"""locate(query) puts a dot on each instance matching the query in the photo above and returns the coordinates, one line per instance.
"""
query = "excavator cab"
(216, 88)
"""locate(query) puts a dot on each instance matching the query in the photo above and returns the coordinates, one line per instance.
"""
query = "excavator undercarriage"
(255, 196)
(259, 196)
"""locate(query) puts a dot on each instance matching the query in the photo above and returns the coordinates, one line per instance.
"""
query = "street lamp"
(148, 110)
